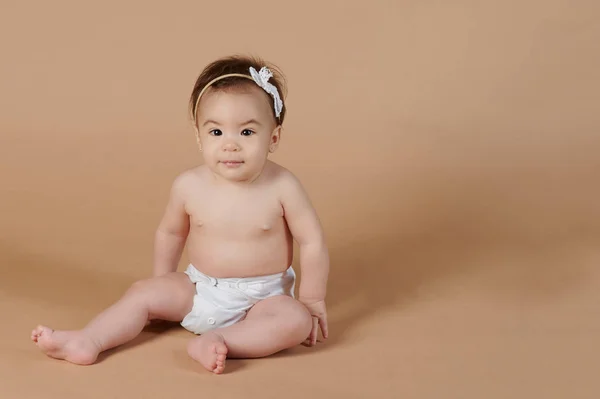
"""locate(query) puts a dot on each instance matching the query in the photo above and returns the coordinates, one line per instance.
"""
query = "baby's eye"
(216, 132)
(247, 132)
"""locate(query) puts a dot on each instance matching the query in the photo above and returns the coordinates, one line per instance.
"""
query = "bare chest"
(241, 216)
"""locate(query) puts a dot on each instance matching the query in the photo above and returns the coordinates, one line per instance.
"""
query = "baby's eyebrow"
(210, 121)
(248, 122)
(206, 122)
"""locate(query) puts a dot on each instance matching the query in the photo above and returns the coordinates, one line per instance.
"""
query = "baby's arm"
(172, 231)
(306, 228)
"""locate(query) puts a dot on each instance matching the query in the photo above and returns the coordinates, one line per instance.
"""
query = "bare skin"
(239, 214)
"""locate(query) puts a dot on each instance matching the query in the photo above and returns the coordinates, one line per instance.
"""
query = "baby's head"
(237, 110)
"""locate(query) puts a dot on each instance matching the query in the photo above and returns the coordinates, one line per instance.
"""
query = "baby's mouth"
(232, 163)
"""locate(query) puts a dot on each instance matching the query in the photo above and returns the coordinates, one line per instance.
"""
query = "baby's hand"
(319, 317)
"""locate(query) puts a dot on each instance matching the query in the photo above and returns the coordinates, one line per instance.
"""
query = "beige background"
(451, 150)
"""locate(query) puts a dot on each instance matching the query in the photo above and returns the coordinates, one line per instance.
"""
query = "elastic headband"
(260, 78)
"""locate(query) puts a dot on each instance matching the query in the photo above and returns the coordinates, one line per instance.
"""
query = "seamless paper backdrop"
(450, 148)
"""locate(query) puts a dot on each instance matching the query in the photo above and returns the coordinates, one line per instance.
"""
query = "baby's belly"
(219, 257)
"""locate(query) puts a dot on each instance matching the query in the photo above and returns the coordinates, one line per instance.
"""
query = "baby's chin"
(236, 175)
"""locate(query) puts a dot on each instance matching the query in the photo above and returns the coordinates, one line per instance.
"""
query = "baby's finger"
(315, 331)
(324, 327)
(308, 342)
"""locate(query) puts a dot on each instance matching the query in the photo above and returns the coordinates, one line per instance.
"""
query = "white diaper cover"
(221, 302)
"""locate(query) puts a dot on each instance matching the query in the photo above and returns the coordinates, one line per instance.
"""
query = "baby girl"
(239, 214)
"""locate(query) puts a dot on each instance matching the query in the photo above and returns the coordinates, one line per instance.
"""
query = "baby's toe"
(219, 369)
(40, 330)
(36, 332)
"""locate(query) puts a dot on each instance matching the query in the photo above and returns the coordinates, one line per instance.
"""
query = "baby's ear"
(275, 138)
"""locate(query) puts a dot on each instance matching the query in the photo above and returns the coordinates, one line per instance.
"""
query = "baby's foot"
(72, 346)
(210, 350)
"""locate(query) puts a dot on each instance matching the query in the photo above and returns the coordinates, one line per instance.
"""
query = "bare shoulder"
(188, 181)
(288, 186)
(284, 179)
(190, 177)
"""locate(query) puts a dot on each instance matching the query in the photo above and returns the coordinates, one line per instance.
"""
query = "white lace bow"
(262, 79)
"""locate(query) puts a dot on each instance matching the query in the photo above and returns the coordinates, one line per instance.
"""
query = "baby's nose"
(231, 146)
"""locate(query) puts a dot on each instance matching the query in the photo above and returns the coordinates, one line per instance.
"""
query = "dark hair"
(236, 64)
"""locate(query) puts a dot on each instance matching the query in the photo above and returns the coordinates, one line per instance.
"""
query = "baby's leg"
(168, 297)
(272, 325)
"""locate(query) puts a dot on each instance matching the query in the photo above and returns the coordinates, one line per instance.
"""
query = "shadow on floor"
(389, 271)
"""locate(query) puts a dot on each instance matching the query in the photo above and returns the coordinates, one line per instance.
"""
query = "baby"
(239, 214)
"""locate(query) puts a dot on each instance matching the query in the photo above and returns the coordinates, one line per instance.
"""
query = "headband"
(261, 78)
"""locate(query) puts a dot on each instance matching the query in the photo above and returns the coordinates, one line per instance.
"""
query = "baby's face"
(236, 129)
